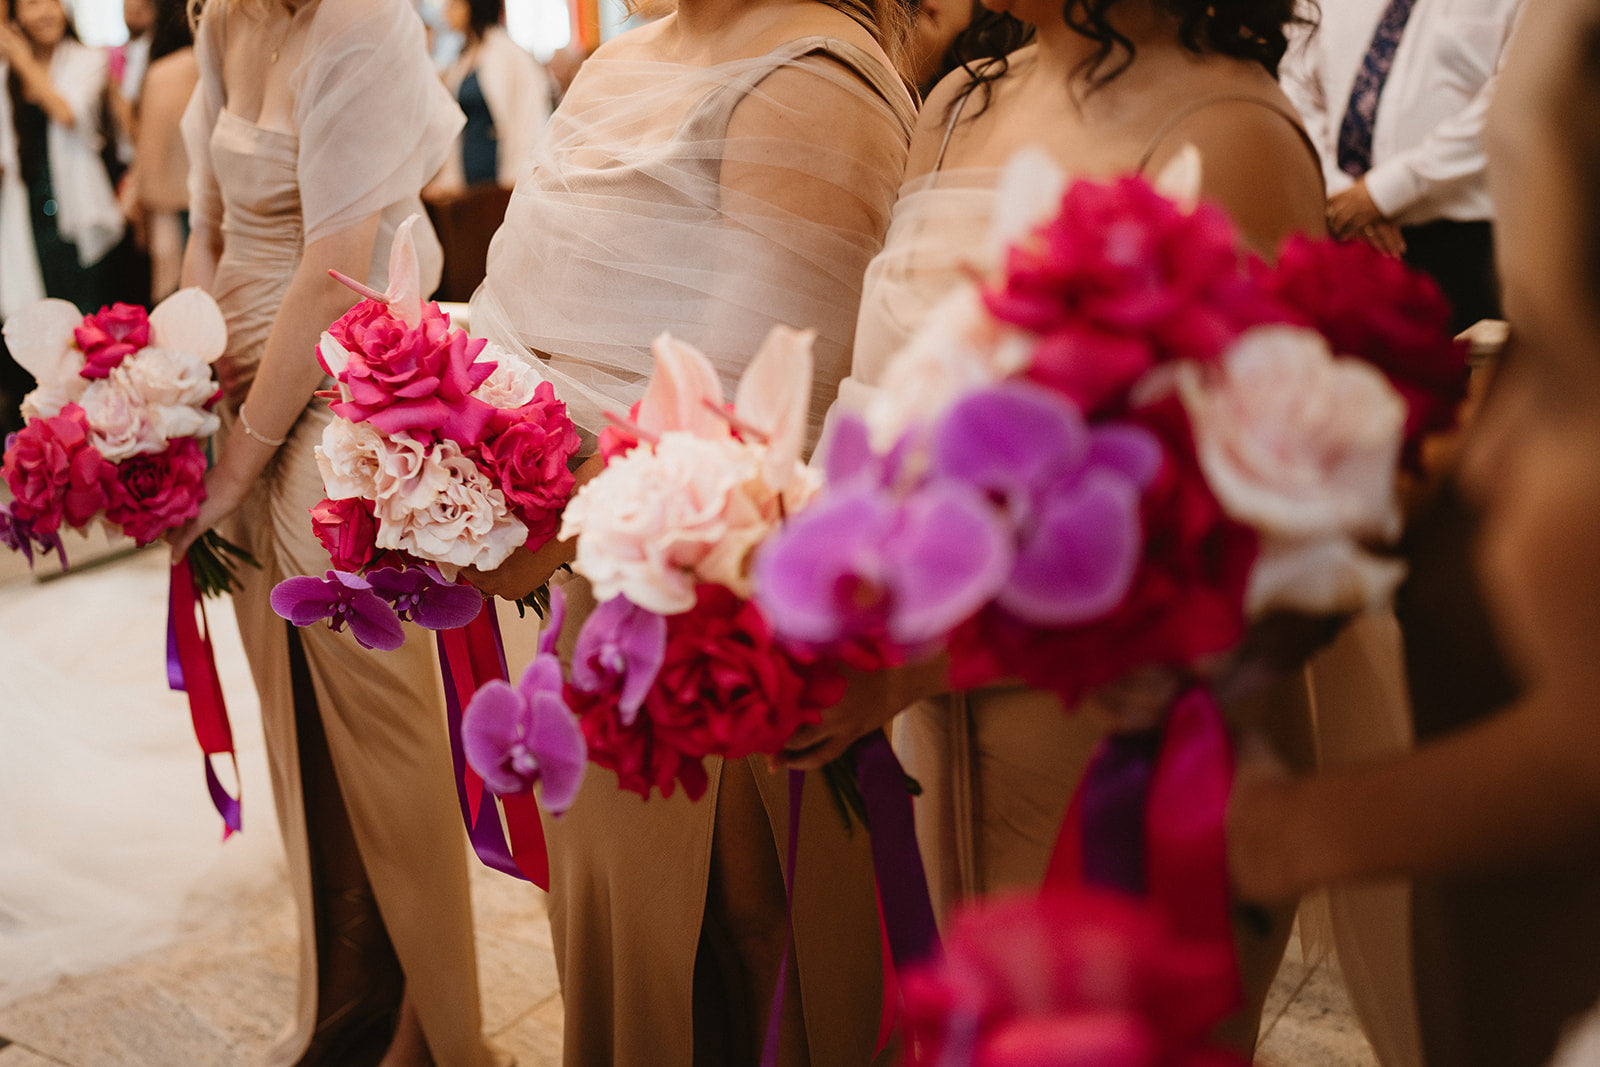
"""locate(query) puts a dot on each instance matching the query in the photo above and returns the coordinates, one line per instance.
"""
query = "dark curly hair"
(1252, 30)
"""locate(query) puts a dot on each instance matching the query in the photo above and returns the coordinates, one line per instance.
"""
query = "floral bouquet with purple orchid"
(116, 426)
(447, 453)
(677, 663)
(1125, 448)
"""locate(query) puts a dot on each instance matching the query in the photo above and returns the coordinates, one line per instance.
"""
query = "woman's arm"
(289, 372)
(35, 77)
(1515, 787)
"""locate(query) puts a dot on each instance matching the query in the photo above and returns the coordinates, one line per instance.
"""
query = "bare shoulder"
(1256, 163)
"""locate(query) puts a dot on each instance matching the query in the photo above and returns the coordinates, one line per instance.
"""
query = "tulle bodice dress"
(670, 196)
(356, 739)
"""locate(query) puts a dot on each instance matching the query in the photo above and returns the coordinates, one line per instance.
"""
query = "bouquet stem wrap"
(192, 670)
(1148, 820)
(905, 906)
(470, 656)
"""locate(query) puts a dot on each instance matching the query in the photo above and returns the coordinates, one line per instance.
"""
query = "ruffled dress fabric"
(372, 123)
(668, 196)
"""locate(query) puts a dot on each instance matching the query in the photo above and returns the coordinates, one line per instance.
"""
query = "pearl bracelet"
(244, 424)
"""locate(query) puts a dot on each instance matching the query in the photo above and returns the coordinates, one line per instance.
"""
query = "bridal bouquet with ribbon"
(115, 433)
(1132, 448)
(446, 453)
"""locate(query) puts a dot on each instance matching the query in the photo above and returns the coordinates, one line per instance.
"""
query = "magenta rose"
(156, 492)
(348, 530)
(411, 379)
(1122, 279)
(110, 336)
(527, 458)
(55, 473)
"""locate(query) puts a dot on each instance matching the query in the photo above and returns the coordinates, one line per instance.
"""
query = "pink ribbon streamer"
(192, 670)
(1183, 792)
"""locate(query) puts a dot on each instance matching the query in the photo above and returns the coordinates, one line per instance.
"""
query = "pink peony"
(1120, 280)
(56, 474)
(403, 379)
(527, 458)
(348, 531)
(154, 493)
(110, 336)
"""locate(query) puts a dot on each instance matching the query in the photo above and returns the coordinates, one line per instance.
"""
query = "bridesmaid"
(313, 128)
(1106, 87)
(1500, 817)
(727, 168)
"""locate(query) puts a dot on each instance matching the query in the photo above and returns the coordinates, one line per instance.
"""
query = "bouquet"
(115, 429)
(676, 663)
(1067, 978)
(1123, 450)
(447, 452)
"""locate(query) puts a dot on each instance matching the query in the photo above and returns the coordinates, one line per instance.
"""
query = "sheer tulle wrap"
(373, 122)
(659, 209)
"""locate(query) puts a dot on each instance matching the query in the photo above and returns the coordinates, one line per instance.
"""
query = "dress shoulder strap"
(1177, 118)
(950, 129)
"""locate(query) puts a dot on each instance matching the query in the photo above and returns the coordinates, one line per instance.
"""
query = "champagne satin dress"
(356, 739)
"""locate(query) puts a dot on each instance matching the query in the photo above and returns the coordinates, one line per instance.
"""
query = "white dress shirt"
(1427, 138)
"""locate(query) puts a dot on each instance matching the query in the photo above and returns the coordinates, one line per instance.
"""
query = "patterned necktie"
(1355, 133)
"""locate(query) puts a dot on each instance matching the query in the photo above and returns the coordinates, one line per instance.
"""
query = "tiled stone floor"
(217, 993)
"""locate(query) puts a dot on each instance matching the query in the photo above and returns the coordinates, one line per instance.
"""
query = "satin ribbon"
(469, 656)
(1148, 819)
(192, 670)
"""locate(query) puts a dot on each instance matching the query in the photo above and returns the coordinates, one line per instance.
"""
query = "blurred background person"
(502, 91)
(159, 179)
(58, 213)
(950, 33)
(1394, 94)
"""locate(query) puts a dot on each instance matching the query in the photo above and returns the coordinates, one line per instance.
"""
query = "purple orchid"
(1069, 492)
(340, 598)
(866, 563)
(19, 535)
(516, 737)
(621, 643)
(423, 596)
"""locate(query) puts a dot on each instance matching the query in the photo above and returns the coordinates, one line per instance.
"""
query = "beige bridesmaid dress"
(356, 739)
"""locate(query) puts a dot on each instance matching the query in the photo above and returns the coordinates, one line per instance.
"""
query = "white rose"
(958, 349)
(513, 382)
(1294, 441)
(407, 479)
(173, 421)
(657, 522)
(463, 521)
(350, 459)
(120, 424)
(47, 401)
(166, 377)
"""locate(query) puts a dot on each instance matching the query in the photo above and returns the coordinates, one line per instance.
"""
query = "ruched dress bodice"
(262, 233)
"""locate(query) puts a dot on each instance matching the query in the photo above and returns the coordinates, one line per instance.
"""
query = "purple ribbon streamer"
(486, 834)
(896, 859)
(174, 665)
(769, 1050)
(231, 810)
(1116, 795)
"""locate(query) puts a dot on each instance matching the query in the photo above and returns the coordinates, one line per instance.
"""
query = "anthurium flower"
(865, 562)
(517, 737)
(423, 596)
(1070, 495)
(621, 646)
(341, 598)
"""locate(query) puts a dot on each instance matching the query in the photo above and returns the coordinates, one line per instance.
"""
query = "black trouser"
(1460, 257)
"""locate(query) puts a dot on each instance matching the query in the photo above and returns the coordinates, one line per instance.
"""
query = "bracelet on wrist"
(244, 424)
